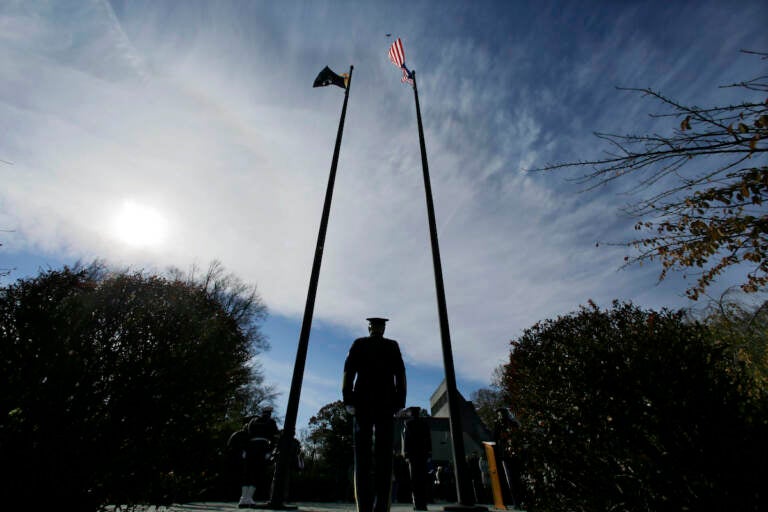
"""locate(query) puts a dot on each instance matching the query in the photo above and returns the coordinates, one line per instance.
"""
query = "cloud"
(317, 390)
(204, 113)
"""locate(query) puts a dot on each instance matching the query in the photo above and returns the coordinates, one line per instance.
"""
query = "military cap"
(377, 320)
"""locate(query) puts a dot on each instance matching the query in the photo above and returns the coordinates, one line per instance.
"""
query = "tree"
(630, 409)
(122, 387)
(712, 215)
(329, 442)
(741, 332)
(488, 400)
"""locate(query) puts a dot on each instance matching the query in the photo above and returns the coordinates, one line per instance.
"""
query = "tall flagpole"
(285, 445)
(463, 484)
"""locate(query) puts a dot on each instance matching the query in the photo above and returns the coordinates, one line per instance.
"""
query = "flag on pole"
(397, 56)
(328, 77)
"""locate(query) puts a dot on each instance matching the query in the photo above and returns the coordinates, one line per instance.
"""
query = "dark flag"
(279, 489)
(328, 77)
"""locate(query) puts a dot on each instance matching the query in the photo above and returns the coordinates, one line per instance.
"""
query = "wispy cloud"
(204, 112)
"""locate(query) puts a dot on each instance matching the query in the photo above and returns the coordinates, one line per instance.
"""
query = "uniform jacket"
(374, 376)
(417, 439)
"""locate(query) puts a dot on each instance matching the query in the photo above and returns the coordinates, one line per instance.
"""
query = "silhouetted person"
(450, 483)
(506, 429)
(417, 449)
(253, 445)
(374, 390)
(473, 468)
(236, 444)
(401, 486)
(444, 483)
(485, 479)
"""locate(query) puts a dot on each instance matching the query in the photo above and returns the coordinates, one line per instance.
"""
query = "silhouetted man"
(506, 432)
(252, 446)
(374, 390)
(417, 448)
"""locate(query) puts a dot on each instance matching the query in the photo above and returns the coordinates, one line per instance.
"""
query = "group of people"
(427, 481)
(373, 391)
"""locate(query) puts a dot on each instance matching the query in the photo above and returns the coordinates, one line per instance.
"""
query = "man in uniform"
(374, 390)
(252, 446)
(417, 448)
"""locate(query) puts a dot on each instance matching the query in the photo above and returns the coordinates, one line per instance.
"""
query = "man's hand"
(350, 409)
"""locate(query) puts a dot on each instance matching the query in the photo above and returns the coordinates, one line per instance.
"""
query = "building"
(474, 430)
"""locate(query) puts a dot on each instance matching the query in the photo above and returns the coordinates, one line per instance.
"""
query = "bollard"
(498, 500)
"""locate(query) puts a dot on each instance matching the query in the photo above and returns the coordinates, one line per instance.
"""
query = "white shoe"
(246, 503)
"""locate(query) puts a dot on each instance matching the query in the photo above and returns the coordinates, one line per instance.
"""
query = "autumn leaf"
(686, 124)
(744, 190)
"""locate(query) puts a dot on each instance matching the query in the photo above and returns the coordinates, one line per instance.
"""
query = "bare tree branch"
(706, 183)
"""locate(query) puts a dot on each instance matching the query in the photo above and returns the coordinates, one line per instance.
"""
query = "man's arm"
(348, 377)
(400, 384)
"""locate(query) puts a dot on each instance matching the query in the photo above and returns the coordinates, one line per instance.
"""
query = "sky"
(159, 133)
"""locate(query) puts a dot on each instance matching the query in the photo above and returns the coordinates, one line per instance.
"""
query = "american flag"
(397, 56)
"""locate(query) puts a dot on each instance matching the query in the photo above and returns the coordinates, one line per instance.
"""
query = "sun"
(139, 225)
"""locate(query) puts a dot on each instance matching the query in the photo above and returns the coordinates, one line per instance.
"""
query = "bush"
(122, 387)
(628, 409)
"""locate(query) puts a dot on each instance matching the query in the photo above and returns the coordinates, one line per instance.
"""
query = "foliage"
(330, 434)
(742, 333)
(328, 445)
(122, 387)
(628, 409)
(487, 400)
(713, 214)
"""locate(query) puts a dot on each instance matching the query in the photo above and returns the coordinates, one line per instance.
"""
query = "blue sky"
(156, 134)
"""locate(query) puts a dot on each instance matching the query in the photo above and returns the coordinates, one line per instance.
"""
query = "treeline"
(120, 387)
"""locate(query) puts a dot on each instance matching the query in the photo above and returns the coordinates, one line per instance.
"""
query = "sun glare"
(140, 225)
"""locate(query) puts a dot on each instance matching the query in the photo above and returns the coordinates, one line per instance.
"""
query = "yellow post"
(498, 501)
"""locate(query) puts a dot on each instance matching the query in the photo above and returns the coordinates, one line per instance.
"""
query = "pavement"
(301, 507)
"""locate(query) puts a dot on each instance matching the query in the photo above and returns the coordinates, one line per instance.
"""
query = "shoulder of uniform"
(357, 343)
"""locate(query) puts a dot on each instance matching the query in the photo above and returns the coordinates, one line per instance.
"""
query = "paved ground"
(302, 507)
